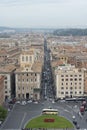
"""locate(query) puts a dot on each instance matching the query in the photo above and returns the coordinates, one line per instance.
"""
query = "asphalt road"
(20, 115)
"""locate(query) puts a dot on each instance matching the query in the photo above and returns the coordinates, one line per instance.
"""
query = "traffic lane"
(30, 115)
(69, 111)
(18, 116)
(13, 121)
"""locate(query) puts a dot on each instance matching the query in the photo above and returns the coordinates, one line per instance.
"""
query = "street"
(20, 115)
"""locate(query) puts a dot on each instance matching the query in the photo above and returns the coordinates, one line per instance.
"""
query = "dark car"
(77, 126)
(74, 122)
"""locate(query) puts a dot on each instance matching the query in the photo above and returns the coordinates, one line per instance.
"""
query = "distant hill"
(2, 28)
(68, 32)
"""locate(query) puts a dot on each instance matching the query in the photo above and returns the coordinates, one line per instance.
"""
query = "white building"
(69, 81)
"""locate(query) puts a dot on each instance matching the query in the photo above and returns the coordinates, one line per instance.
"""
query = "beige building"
(28, 76)
(9, 84)
(1, 90)
(85, 81)
(69, 81)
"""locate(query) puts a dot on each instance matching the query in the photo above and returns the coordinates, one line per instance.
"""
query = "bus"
(75, 99)
(50, 111)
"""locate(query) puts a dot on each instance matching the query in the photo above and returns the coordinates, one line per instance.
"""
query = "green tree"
(3, 113)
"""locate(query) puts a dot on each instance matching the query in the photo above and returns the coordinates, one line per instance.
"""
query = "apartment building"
(69, 81)
(28, 76)
(9, 81)
(1, 90)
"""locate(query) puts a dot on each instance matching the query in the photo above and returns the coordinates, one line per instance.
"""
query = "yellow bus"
(50, 111)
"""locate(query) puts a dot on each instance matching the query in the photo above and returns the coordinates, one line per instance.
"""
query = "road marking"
(23, 119)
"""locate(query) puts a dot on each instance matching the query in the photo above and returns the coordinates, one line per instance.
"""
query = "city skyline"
(43, 13)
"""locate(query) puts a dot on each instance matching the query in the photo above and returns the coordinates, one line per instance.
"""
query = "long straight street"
(21, 114)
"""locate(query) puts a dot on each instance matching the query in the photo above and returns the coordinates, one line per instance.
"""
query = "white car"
(23, 103)
(29, 101)
(35, 102)
(0, 122)
(18, 102)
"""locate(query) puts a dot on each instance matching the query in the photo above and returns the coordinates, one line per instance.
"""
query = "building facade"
(9, 81)
(28, 76)
(1, 90)
(69, 81)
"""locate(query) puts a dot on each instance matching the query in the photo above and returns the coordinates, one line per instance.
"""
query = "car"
(29, 101)
(74, 122)
(9, 109)
(23, 103)
(0, 122)
(18, 102)
(35, 102)
(77, 126)
(53, 101)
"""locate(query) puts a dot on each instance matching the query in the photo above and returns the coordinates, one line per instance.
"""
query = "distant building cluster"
(69, 65)
(22, 60)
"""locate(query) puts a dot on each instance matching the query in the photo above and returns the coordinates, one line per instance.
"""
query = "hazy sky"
(43, 13)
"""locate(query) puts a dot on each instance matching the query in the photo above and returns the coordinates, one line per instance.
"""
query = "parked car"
(23, 103)
(29, 101)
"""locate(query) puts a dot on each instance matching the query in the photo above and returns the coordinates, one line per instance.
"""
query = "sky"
(43, 13)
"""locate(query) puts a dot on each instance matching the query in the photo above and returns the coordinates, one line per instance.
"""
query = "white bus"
(50, 111)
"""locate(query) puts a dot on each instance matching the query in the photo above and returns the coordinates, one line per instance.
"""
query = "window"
(79, 87)
(23, 95)
(80, 92)
(75, 79)
(71, 75)
(66, 92)
(5, 82)
(23, 80)
(71, 83)
(71, 92)
(35, 74)
(62, 75)
(62, 84)
(26, 58)
(62, 92)
(5, 77)
(27, 80)
(35, 79)
(18, 95)
(80, 75)
(5, 87)
(62, 79)
(66, 83)
(66, 87)
(62, 87)
(71, 88)
(30, 58)
(80, 79)
(31, 80)
(71, 79)
(22, 58)
(66, 75)
(75, 92)
(66, 79)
